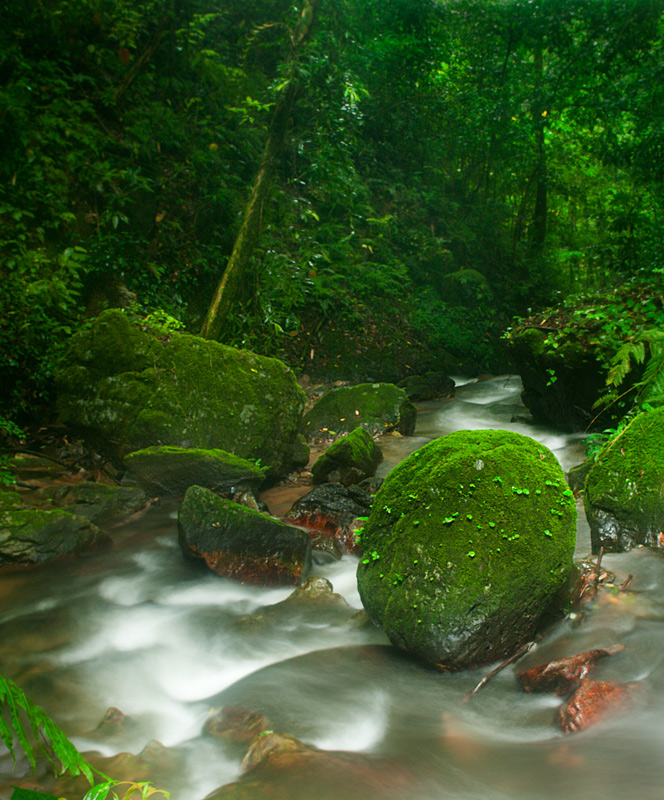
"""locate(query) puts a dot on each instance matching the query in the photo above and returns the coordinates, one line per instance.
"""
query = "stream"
(140, 628)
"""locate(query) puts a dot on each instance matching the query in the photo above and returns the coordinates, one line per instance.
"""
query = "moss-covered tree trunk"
(238, 264)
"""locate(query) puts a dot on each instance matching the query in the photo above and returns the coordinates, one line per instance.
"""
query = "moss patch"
(625, 487)
(376, 407)
(468, 541)
(355, 455)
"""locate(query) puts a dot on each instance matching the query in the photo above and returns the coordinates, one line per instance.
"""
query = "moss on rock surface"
(355, 457)
(468, 542)
(29, 537)
(125, 389)
(376, 407)
(172, 470)
(624, 497)
(240, 543)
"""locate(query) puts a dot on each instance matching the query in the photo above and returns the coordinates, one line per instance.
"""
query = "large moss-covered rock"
(624, 496)
(561, 380)
(468, 543)
(353, 457)
(240, 543)
(29, 537)
(172, 470)
(127, 390)
(376, 407)
(96, 502)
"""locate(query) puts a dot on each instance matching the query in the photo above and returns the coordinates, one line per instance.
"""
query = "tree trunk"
(237, 268)
(540, 113)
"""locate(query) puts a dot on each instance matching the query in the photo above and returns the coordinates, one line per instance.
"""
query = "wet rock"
(97, 502)
(126, 390)
(353, 458)
(560, 385)
(301, 453)
(592, 701)
(623, 498)
(240, 543)
(315, 599)
(468, 543)
(563, 676)
(332, 512)
(172, 470)
(237, 724)
(376, 407)
(281, 767)
(576, 477)
(29, 537)
(428, 386)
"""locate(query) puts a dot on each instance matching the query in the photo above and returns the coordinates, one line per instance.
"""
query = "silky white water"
(140, 628)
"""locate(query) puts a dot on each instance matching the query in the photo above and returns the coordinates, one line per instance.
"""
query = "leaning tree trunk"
(238, 264)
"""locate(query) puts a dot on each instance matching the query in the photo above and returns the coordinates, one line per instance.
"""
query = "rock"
(29, 536)
(576, 477)
(592, 701)
(623, 498)
(355, 457)
(280, 767)
(428, 386)
(314, 598)
(97, 502)
(376, 407)
(301, 453)
(563, 676)
(172, 470)
(240, 543)
(560, 384)
(125, 390)
(468, 543)
(332, 511)
(237, 724)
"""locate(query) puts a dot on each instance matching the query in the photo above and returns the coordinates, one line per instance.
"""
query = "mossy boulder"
(96, 502)
(624, 496)
(353, 458)
(172, 470)
(468, 542)
(376, 407)
(427, 386)
(562, 379)
(29, 537)
(126, 390)
(240, 543)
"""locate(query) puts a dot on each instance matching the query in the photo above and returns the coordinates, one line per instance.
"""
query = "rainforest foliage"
(444, 165)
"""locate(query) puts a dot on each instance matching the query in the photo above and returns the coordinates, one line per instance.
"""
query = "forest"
(219, 219)
(429, 171)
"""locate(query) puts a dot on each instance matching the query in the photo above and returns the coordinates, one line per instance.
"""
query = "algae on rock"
(127, 390)
(624, 497)
(468, 542)
(355, 457)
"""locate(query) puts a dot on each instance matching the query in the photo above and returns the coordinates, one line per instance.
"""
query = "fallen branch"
(526, 648)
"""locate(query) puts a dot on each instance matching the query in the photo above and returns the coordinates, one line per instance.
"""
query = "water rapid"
(139, 628)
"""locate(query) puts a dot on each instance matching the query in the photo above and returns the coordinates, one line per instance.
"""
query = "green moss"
(626, 482)
(357, 451)
(475, 559)
(376, 407)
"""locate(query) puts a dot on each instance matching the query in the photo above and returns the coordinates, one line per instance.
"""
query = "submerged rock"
(237, 724)
(172, 470)
(592, 701)
(376, 407)
(563, 676)
(468, 544)
(354, 457)
(240, 543)
(29, 537)
(126, 390)
(278, 766)
(623, 498)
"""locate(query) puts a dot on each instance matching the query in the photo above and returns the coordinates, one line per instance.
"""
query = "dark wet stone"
(237, 724)
(428, 386)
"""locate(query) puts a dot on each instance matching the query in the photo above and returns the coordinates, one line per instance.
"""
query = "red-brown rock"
(564, 675)
(592, 701)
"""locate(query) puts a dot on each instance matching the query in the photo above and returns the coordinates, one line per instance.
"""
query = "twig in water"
(526, 648)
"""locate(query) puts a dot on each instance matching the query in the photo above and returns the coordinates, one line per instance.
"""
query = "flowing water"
(140, 628)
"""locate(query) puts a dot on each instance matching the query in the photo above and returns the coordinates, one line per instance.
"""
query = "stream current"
(140, 628)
